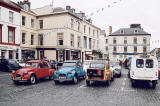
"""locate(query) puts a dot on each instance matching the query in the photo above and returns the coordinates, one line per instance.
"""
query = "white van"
(144, 68)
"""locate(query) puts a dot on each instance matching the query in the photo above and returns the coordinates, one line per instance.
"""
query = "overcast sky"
(119, 15)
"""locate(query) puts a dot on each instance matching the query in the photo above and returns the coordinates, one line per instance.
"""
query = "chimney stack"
(68, 7)
(110, 30)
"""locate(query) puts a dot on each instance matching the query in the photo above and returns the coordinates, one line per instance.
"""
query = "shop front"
(75, 54)
(10, 52)
(28, 54)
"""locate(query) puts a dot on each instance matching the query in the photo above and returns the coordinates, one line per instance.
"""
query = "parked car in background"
(71, 70)
(144, 68)
(159, 69)
(86, 64)
(8, 65)
(116, 68)
(33, 70)
(99, 71)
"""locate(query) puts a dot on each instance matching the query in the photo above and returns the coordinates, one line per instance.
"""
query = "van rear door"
(139, 70)
(150, 68)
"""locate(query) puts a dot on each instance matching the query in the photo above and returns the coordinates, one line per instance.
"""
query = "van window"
(149, 63)
(140, 63)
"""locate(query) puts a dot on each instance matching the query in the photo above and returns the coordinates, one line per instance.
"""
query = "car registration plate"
(18, 78)
(62, 78)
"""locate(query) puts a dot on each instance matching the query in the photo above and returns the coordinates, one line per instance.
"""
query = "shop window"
(10, 54)
(41, 54)
(11, 35)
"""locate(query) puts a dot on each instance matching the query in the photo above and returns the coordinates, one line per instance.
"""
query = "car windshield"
(12, 62)
(30, 64)
(97, 65)
(69, 64)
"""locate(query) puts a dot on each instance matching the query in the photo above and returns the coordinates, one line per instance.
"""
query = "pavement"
(46, 93)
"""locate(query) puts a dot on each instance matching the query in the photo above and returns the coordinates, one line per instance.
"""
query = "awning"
(92, 56)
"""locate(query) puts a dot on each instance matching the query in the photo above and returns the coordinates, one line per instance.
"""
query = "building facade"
(104, 45)
(64, 34)
(156, 52)
(9, 30)
(29, 33)
(127, 42)
(57, 33)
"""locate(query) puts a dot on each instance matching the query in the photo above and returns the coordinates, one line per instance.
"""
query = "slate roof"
(11, 3)
(129, 31)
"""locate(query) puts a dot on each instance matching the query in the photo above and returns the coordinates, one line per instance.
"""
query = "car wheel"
(50, 77)
(75, 80)
(16, 82)
(154, 85)
(33, 79)
(88, 83)
(56, 82)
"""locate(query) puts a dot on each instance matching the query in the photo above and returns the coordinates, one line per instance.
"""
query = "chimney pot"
(110, 30)
(68, 7)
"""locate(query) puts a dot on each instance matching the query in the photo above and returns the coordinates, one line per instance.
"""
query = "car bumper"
(62, 80)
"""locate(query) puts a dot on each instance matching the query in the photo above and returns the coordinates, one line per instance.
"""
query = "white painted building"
(104, 45)
(9, 30)
(127, 42)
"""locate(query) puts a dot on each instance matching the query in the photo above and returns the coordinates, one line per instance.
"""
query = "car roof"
(36, 61)
(71, 61)
(99, 61)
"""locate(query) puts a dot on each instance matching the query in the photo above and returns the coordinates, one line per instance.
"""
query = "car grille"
(62, 75)
(18, 75)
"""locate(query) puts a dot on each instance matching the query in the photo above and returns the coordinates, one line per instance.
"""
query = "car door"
(149, 68)
(40, 70)
(80, 69)
(138, 69)
(46, 69)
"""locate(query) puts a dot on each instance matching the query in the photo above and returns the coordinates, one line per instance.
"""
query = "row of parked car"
(71, 70)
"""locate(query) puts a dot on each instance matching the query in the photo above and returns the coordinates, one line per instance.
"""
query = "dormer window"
(26, 7)
(122, 31)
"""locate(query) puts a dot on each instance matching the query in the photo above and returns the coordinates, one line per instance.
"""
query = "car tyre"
(88, 83)
(56, 82)
(16, 82)
(75, 80)
(154, 85)
(50, 77)
(32, 79)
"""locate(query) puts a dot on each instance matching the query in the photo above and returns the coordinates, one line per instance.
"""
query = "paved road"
(46, 93)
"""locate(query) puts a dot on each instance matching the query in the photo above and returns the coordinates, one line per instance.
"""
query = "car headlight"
(13, 71)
